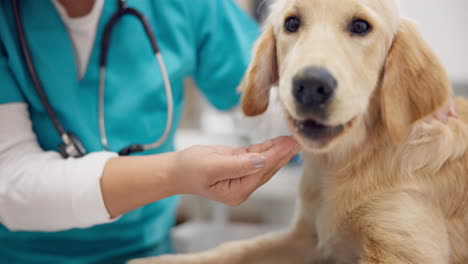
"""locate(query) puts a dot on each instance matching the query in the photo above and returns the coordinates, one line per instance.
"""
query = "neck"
(76, 8)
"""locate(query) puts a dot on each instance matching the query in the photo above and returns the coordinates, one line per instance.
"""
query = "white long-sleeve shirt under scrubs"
(39, 190)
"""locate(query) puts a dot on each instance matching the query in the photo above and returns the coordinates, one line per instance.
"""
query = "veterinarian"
(66, 196)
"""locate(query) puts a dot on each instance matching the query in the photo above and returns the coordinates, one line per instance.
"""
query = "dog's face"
(330, 54)
(327, 58)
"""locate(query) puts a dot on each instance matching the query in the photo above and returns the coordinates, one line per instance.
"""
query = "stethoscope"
(71, 146)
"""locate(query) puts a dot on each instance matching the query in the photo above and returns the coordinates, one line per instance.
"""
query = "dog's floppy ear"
(261, 75)
(414, 83)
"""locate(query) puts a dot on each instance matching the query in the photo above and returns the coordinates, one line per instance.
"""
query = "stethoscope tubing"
(170, 105)
(72, 146)
(122, 11)
(32, 72)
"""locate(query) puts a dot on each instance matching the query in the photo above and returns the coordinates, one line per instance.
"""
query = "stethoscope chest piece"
(71, 147)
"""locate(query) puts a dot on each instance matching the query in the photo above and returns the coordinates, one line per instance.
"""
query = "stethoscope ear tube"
(110, 26)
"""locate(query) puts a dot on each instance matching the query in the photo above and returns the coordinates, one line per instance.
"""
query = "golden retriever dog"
(382, 184)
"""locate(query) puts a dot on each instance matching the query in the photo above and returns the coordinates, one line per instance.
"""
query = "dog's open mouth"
(317, 132)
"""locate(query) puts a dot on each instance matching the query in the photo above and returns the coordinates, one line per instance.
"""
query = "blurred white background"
(444, 24)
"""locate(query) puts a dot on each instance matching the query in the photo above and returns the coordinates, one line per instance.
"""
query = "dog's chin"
(317, 137)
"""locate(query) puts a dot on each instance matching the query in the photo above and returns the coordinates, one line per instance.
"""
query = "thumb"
(242, 165)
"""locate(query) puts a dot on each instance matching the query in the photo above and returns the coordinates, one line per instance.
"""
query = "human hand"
(230, 175)
(448, 111)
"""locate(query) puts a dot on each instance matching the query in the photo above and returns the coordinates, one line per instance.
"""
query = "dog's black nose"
(313, 87)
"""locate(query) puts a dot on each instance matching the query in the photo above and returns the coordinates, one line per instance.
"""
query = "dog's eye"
(360, 27)
(292, 24)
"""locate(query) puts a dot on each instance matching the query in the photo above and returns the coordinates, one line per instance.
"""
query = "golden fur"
(391, 188)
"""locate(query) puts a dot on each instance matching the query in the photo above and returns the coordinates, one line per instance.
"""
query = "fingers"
(255, 158)
(449, 111)
(262, 147)
(442, 116)
(276, 158)
(236, 166)
(280, 158)
(453, 109)
(273, 155)
(284, 149)
(239, 175)
(278, 152)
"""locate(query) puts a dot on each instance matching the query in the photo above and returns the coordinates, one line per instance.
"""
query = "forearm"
(40, 191)
(128, 183)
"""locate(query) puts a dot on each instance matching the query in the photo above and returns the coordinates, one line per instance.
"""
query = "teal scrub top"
(209, 40)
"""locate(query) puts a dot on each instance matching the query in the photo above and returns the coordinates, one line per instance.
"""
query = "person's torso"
(135, 101)
(135, 112)
(140, 233)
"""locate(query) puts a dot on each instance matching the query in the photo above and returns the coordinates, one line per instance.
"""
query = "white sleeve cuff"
(87, 201)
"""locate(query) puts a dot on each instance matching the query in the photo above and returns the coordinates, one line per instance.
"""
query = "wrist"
(131, 182)
(179, 173)
(169, 174)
